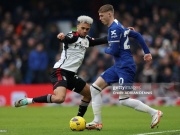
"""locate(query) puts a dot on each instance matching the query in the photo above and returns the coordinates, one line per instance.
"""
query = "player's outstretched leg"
(58, 97)
(41, 99)
(138, 105)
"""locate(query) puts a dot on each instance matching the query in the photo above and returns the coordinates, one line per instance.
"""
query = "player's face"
(83, 29)
(104, 17)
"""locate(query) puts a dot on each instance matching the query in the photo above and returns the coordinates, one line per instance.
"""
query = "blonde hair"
(85, 19)
(106, 8)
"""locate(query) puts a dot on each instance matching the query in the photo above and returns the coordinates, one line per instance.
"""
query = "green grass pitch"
(117, 120)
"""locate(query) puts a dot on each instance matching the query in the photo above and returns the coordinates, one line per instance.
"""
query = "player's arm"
(97, 41)
(69, 38)
(114, 40)
(139, 38)
(113, 49)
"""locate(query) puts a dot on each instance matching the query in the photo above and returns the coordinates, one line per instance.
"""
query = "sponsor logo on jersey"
(113, 34)
(82, 44)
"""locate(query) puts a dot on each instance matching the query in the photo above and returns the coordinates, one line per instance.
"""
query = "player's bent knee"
(86, 94)
(59, 100)
(95, 89)
(87, 97)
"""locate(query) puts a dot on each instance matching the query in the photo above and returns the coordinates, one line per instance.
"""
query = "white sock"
(96, 102)
(29, 100)
(138, 105)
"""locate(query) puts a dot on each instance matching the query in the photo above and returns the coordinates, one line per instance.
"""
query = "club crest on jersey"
(113, 34)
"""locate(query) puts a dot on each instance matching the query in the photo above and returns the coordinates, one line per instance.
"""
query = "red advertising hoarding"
(8, 94)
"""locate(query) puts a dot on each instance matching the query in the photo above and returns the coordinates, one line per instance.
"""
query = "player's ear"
(109, 14)
(77, 27)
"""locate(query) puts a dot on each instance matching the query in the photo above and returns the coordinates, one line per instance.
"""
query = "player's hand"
(131, 28)
(148, 57)
(61, 36)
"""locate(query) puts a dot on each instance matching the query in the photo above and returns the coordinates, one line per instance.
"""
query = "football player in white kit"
(64, 75)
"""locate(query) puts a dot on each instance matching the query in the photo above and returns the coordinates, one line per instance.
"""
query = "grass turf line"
(55, 121)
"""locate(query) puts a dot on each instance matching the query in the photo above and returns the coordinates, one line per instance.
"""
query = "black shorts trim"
(67, 79)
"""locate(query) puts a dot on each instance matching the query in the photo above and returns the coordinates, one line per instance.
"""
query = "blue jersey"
(119, 47)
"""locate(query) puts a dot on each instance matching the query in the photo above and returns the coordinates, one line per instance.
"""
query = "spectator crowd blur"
(29, 47)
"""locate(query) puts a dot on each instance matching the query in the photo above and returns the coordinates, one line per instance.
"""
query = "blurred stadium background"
(29, 47)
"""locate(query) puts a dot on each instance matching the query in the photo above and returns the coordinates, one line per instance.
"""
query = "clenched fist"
(61, 36)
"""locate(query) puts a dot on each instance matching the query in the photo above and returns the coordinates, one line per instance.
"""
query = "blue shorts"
(118, 74)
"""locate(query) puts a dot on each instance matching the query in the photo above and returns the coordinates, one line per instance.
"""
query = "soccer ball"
(77, 123)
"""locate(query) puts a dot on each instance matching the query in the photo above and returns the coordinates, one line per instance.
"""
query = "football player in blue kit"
(123, 71)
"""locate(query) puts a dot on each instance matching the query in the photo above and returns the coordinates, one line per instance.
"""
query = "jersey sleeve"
(71, 37)
(140, 40)
(97, 41)
(114, 41)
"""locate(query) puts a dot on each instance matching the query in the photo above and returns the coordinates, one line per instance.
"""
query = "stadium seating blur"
(29, 46)
(26, 24)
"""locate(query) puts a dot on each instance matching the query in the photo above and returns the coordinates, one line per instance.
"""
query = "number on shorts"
(121, 81)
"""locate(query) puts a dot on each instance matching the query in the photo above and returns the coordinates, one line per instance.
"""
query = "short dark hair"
(106, 8)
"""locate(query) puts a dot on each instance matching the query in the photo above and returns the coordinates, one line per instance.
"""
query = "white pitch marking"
(168, 131)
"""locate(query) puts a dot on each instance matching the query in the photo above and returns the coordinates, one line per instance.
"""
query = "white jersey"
(74, 49)
(72, 58)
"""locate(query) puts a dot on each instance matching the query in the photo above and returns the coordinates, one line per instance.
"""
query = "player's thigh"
(109, 76)
(76, 84)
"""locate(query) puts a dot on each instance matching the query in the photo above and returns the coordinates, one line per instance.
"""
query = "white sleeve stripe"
(114, 41)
